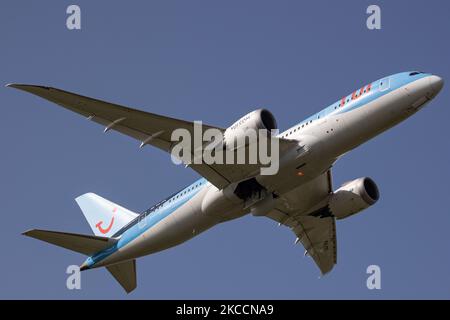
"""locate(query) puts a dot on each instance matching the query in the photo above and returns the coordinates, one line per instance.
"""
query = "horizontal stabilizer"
(81, 243)
(125, 274)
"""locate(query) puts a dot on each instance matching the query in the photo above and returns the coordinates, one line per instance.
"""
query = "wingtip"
(22, 86)
(15, 85)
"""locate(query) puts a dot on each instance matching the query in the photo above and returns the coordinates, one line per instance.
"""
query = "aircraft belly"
(181, 225)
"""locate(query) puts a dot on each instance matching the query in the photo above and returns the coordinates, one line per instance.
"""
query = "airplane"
(300, 196)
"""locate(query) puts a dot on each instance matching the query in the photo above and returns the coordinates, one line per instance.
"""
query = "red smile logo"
(100, 224)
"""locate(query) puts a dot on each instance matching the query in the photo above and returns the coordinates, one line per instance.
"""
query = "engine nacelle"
(261, 119)
(353, 197)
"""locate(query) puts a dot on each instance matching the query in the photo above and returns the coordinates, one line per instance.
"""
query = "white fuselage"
(324, 137)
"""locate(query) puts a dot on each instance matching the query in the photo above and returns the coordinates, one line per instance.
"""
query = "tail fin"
(104, 217)
(81, 243)
(125, 274)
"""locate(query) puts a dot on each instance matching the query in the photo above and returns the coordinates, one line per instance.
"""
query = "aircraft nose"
(436, 84)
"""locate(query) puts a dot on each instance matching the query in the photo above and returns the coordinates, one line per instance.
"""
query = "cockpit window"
(415, 73)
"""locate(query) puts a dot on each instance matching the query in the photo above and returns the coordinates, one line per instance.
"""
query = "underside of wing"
(148, 128)
(304, 211)
(134, 123)
(318, 237)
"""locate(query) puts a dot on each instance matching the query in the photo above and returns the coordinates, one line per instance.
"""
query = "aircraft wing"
(304, 211)
(146, 127)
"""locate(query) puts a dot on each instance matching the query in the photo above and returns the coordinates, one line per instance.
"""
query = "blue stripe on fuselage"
(395, 81)
(149, 219)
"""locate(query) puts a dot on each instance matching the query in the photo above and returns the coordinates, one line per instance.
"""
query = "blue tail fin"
(104, 217)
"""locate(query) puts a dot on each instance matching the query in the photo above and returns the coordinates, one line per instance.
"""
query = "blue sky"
(216, 61)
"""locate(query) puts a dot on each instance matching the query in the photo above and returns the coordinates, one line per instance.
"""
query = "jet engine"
(353, 197)
(248, 127)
